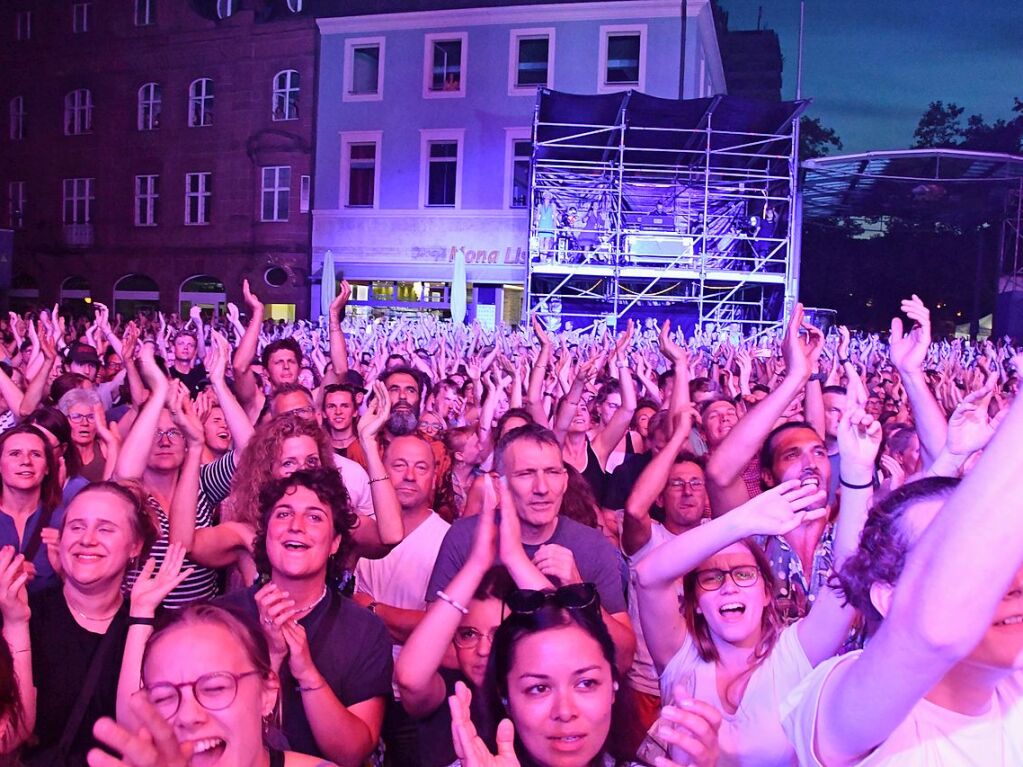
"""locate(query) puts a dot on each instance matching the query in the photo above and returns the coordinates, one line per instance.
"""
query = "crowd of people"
(237, 542)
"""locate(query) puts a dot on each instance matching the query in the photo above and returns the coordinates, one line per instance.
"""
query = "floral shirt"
(795, 594)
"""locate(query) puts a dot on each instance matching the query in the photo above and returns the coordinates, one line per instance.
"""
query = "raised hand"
(377, 413)
(153, 745)
(969, 428)
(13, 594)
(801, 346)
(275, 608)
(782, 509)
(253, 302)
(859, 440)
(909, 350)
(344, 293)
(129, 341)
(691, 727)
(558, 563)
(469, 746)
(153, 585)
(541, 332)
(183, 414)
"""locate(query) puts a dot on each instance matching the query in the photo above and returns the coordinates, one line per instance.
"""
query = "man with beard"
(405, 388)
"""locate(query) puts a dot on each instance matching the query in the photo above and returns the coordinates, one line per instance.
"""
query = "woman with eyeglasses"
(333, 657)
(30, 498)
(209, 696)
(95, 445)
(465, 619)
(72, 635)
(727, 646)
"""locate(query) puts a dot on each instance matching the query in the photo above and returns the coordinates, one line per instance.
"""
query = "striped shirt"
(214, 486)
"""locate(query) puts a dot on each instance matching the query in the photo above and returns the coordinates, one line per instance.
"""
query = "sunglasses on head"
(578, 596)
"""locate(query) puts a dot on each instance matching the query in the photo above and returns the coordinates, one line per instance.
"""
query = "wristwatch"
(372, 607)
(819, 377)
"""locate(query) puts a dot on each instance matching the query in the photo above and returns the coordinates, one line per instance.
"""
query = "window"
(295, 6)
(285, 99)
(16, 204)
(360, 169)
(364, 69)
(78, 198)
(16, 115)
(276, 193)
(305, 186)
(145, 13)
(444, 65)
(531, 61)
(441, 152)
(147, 198)
(622, 58)
(200, 103)
(23, 25)
(225, 8)
(198, 189)
(522, 153)
(150, 104)
(80, 17)
(78, 112)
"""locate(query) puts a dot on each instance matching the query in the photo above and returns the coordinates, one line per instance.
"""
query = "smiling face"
(300, 535)
(410, 465)
(231, 736)
(560, 693)
(97, 539)
(641, 420)
(718, 420)
(474, 637)
(23, 462)
(733, 613)
(296, 453)
(339, 409)
(218, 438)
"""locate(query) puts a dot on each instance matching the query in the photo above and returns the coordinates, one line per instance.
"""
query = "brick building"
(157, 152)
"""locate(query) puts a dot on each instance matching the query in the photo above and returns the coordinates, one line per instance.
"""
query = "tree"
(816, 139)
(940, 126)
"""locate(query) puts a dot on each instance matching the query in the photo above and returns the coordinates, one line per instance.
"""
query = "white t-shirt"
(642, 675)
(753, 735)
(930, 736)
(357, 484)
(400, 578)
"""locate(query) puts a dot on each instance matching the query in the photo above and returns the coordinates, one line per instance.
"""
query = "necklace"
(303, 610)
(82, 615)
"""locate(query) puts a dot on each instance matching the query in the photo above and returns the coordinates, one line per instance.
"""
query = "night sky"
(872, 66)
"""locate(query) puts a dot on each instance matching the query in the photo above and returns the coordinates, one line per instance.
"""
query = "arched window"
(285, 101)
(78, 112)
(225, 8)
(200, 103)
(16, 110)
(150, 104)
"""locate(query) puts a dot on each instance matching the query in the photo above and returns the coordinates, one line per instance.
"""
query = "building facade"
(424, 139)
(158, 152)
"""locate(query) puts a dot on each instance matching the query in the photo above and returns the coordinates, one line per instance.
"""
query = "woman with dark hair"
(211, 703)
(552, 677)
(333, 657)
(57, 429)
(728, 646)
(29, 498)
(464, 621)
(74, 632)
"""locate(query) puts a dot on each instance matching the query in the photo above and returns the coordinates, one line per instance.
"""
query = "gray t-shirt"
(597, 560)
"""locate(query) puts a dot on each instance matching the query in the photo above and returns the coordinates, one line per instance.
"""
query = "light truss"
(719, 249)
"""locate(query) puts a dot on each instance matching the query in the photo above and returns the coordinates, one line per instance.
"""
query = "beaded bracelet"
(460, 607)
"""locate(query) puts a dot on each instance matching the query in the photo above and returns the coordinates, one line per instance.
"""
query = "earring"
(614, 687)
(504, 702)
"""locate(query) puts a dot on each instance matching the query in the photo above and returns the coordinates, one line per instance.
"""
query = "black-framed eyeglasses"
(214, 692)
(696, 485)
(577, 596)
(467, 637)
(742, 576)
(79, 417)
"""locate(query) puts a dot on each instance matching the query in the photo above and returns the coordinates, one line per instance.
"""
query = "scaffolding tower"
(649, 207)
